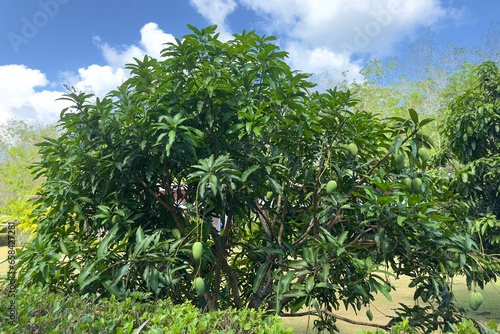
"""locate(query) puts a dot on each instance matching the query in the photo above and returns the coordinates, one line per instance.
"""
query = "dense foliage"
(297, 199)
(43, 312)
(472, 127)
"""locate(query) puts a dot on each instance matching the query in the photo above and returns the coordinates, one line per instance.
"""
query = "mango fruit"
(475, 300)
(199, 286)
(331, 186)
(369, 314)
(408, 183)
(353, 148)
(417, 184)
(423, 154)
(197, 250)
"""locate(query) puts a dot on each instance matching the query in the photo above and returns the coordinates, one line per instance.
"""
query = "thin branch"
(335, 220)
(265, 222)
(359, 236)
(171, 208)
(336, 316)
(143, 325)
(305, 235)
(219, 252)
(354, 322)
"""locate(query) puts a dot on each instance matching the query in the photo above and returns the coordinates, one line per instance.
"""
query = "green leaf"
(85, 200)
(63, 247)
(295, 293)
(120, 273)
(171, 140)
(425, 121)
(342, 237)
(259, 276)
(413, 115)
(400, 220)
(154, 280)
(139, 235)
(85, 277)
(103, 245)
(247, 173)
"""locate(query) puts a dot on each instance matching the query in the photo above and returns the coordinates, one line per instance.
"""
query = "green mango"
(423, 154)
(199, 286)
(197, 250)
(331, 186)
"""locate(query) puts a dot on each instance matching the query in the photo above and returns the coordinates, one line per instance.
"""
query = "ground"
(382, 307)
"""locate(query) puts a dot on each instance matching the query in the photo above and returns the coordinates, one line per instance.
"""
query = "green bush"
(41, 311)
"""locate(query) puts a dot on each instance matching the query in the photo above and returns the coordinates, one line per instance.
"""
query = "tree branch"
(336, 316)
(171, 208)
(233, 280)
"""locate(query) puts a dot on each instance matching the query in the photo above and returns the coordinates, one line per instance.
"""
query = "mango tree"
(223, 146)
(472, 128)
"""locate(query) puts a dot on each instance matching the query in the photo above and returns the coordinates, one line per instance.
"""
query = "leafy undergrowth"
(40, 311)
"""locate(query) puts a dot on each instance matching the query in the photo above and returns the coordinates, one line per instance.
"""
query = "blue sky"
(45, 43)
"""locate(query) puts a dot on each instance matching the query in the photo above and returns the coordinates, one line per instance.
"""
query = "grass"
(382, 308)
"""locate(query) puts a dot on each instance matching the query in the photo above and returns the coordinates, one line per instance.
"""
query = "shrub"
(41, 311)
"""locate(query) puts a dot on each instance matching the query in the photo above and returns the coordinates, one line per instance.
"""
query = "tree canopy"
(472, 128)
(297, 198)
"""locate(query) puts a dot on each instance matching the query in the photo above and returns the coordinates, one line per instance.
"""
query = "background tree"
(17, 153)
(312, 197)
(472, 128)
(426, 77)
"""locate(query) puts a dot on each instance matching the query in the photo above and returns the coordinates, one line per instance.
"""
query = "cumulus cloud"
(320, 36)
(330, 32)
(333, 24)
(216, 11)
(152, 41)
(25, 93)
(100, 79)
(22, 95)
(319, 60)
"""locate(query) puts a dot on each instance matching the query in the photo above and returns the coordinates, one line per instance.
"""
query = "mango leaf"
(413, 116)
(85, 277)
(259, 276)
(103, 245)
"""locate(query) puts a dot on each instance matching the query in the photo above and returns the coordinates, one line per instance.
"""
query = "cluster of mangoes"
(198, 283)
(412, 184)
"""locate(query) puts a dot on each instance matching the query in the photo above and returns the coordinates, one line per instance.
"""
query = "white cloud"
(328, 33)
(152, 41)
(25, 93)
(318, 60)
(20, 98)
(100, 79)
(216, 11)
